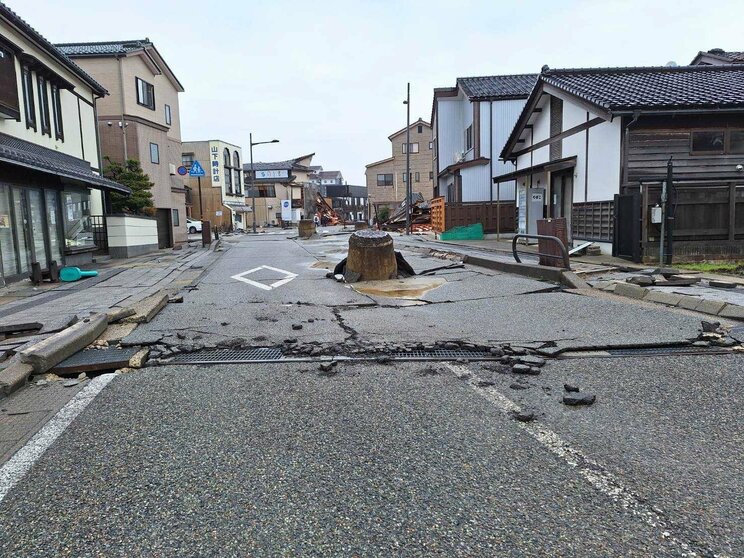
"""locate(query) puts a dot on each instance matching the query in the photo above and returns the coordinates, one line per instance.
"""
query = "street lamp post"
(409, 186)
(253, 176)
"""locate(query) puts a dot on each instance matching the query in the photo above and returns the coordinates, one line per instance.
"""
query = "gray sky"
(329, 76)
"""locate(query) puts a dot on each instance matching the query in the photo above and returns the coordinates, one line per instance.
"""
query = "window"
(46, 127)
(431, 175)
(236, 171)
(404, 178)
(420, 129)
(431, 144)
(154, 153)
(145, 94)
(417, 177)
(175, 218)
(469, 138)
(29, 109)
(736, 141)
(707, 141)
(8, 85)
(59, 132)
(168, 115)
(384, 179)
(76, 217)
(187, 159)
(414, 147)
(228, 175)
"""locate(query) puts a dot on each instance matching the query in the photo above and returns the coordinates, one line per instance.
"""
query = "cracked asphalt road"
(402, 459)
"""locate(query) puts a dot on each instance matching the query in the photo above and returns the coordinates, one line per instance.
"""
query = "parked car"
(193, 226)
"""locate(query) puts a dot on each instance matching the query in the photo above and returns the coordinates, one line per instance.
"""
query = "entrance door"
(38, 226)
(165, 238)
(22, 231)
(627, 240)
(561, 204)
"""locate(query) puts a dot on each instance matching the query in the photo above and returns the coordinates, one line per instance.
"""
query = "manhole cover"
(94, 360)
(220, 356)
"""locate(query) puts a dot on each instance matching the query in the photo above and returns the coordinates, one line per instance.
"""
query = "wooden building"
(594, 145)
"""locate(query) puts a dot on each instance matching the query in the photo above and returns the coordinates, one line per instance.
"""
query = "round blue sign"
(183, 171)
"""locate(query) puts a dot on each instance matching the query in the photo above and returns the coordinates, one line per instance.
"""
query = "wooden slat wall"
(469, 213)
(437, 214)
(593, 221)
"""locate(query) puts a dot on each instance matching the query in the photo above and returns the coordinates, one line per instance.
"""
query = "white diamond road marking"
(242, 277)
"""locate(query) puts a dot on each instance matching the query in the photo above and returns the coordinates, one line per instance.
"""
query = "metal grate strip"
(217, 356)
(444, 354)
(661, 351)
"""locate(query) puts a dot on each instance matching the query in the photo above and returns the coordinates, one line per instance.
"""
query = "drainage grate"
(93, 360)
(661, 351)
(443, 354)
(219, 356)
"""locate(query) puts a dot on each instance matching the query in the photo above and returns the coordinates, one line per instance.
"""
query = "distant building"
(275, 183)
(386, 179)
(349, 201)
(330, 177)
(140, 119)
(221, 200)
(718, 57)
(52, 194)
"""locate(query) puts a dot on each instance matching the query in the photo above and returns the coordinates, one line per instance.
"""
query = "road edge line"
(21, 462)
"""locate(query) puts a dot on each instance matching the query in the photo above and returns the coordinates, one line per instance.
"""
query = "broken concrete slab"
(14, 376)
(575, 399)
(670, 299)
(147, 308)
(525, 369)
(710, 306)
(116, 332)
(710, 327)
(56, 348)
(139, 358)
(631, 291)
(23, 327)
(689, 302)
(733, 311)
(118, 314)
(641, 280)
(95, 360)
(138, 337)
(722, 284)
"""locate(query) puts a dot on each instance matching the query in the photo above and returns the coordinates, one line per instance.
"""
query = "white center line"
(601, 479)
(18, 465)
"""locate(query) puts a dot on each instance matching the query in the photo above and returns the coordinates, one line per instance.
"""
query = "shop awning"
(550, 166)
(31, 156)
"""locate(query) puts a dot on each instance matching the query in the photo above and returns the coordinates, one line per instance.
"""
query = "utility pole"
(253, 177)
(409, 186)
(669, 213)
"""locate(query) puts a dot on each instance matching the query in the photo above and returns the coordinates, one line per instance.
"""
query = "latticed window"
(228, 168)
(236, 171)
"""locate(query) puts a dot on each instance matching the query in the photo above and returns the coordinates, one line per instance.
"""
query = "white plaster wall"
(475, 183)
(450, 131)
(541, 131)
(574, 146)
(604, 161)
(131, 231)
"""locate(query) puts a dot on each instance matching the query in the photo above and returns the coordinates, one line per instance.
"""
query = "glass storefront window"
(7, 243)
(55, 242)
(76, 219)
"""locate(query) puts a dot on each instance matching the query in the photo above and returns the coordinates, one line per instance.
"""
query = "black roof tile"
(106, 48)
(489, 87)
(30, 155)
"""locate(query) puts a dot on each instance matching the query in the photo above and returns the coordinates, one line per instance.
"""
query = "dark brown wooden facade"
(709, 216)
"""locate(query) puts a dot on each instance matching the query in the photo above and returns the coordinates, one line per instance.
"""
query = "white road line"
(18, 465)
(601, 479)
(241, 277)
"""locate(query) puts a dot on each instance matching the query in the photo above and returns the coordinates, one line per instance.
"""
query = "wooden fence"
(446, 215)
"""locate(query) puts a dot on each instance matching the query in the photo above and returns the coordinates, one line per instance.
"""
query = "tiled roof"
(61, 57)
(329, 174)
(490, 87)
(679, 87)
(107, 48)
(276, 165)
(734, 57)
(26, 154)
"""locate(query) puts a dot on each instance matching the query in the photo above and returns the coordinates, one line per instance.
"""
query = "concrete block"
(689, 302)
(139, 358)
(670, 299)
(147, 308)
(710, 307)
(630, 290)
(14, 376)
(56, 348)
(573, 281)
(118, 314)
(733, 311)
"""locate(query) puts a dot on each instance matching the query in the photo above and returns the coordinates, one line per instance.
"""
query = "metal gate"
(626, 242)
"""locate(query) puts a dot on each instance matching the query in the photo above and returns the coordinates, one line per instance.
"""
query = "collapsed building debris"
(420, 216)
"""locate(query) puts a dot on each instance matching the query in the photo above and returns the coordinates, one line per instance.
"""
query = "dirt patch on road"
(409, 288)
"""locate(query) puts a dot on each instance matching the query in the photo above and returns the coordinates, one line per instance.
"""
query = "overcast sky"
(330, 76)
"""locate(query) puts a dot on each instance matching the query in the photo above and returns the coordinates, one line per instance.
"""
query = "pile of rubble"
(420, 216)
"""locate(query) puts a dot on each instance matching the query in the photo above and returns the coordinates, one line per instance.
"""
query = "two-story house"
(279, 190)
(140, 119)
(51, 188)
(328, 178)
(218, 197)
(386, 179)
(471, 122)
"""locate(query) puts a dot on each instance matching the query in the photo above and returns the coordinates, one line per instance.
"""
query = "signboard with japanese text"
(214, 154)
(279, 173)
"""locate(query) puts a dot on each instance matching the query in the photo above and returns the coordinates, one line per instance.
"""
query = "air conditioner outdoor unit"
(172, 168)
(459, 156)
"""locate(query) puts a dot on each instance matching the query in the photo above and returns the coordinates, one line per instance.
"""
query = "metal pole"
(201, 207)
(253, 183)
(409, 187)
(669, 213)
(663, 219)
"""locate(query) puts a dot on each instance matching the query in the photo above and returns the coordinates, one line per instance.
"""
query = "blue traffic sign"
(196, 169)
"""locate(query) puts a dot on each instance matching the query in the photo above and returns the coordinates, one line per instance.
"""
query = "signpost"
(198, 171)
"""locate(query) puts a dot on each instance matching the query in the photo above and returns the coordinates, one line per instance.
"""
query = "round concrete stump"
(306, 228)
(371, 255)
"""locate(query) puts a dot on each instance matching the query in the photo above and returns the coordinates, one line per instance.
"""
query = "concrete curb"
(14, 376)
(542, 273)
(56, 348)
(712, 307)
(147, 308)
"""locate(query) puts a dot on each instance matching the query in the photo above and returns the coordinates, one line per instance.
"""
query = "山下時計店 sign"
(215, 164)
